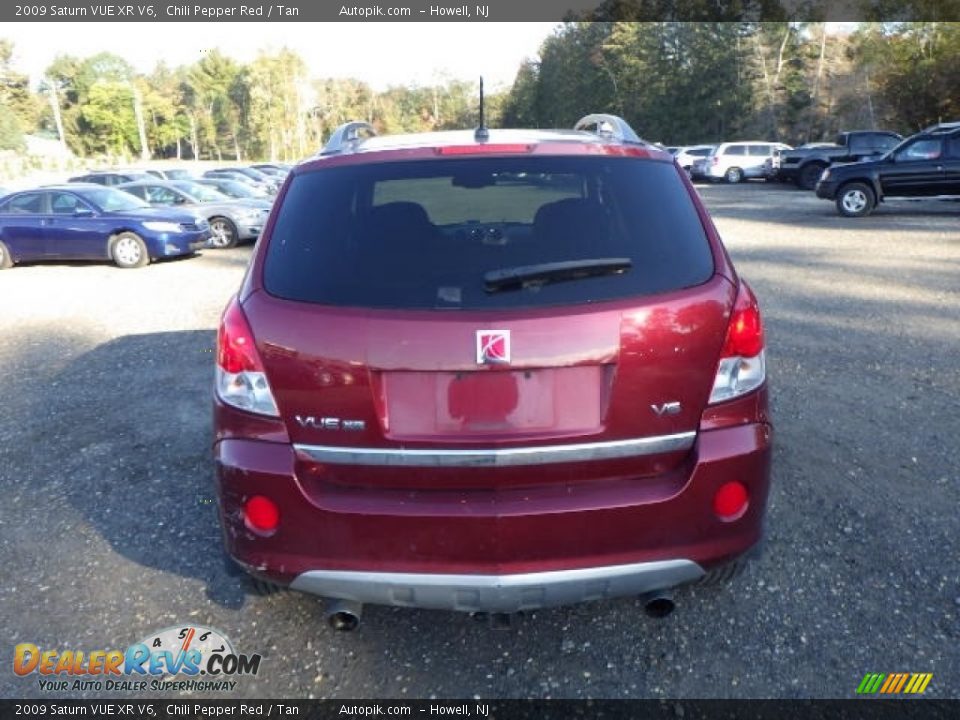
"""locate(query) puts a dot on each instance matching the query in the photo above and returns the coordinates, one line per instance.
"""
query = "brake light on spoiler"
(482, 148)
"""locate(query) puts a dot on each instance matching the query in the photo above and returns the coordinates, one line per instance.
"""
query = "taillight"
(715, 160)
(241, 381)
(742, 366)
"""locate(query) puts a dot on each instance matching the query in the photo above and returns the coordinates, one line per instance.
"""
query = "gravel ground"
(108, 532)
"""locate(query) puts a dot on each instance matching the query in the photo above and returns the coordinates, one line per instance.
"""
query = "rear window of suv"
(486, 233)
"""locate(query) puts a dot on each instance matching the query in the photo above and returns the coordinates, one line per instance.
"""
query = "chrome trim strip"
(498, 593)
(502, 457)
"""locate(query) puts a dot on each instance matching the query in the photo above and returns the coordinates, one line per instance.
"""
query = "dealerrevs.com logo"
(180, 658)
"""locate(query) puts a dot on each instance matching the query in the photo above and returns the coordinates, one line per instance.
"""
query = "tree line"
(214, 109)
(682, 82)
(675, 82)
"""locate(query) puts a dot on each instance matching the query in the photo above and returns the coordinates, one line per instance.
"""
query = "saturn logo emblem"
(493, 347)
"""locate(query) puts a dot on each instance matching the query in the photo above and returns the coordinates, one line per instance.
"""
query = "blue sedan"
(92, 222)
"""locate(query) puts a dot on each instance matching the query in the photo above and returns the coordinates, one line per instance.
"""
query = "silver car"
(230, 220)
(736, 161)
(236, 189)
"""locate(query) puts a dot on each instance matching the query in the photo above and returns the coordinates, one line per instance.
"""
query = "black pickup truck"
(805, 164)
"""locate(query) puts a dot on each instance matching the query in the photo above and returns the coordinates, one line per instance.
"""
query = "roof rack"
(611, 127)
(346, 137)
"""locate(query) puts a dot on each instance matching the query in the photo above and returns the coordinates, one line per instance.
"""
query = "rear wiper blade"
(516, 278)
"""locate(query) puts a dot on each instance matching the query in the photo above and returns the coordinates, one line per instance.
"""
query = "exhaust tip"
(658, 605)
(344, 615)
(343, 621)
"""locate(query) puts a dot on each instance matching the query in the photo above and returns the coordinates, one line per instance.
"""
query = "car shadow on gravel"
(796, 208)
(88, 263)
(132, 422)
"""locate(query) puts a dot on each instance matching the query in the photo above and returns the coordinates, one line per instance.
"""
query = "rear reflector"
(261, 514)
(730, 502)
(742, 367)
(480, 148)
(241, 381)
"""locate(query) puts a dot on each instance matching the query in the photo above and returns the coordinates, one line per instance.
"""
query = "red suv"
(490, 371)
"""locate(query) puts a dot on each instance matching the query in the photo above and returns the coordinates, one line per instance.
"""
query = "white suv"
(737, 160)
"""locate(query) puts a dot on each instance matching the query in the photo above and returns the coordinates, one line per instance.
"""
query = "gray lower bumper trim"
(498, 593)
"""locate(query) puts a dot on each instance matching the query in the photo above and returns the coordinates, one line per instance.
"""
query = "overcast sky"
(381, 54)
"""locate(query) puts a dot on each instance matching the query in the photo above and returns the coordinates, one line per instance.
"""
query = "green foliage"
(21, 109)
(681, 82)
(687, 82)
(87, 129)
(278, 104)
(109, 114)
(164, 111)
(915, 68)
(520, 104)
(11, 134)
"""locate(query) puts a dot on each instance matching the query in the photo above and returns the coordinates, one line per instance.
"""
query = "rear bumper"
(498, 593)
(249, 232)
(494, 549)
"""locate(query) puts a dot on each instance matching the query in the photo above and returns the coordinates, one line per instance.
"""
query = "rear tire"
(5, 260)
(223, 233)
(807, 180)
(855, 200)
(129, 251)
(733, 175)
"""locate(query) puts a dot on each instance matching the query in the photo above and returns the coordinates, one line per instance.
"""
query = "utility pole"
(816, 85)
(55, 106)
(141, 128)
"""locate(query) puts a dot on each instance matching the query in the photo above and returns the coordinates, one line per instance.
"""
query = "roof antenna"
(481, 134)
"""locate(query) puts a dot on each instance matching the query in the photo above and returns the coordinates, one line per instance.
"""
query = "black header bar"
(180, 708)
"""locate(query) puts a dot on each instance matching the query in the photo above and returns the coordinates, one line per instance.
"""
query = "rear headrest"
(569, 219)
(400, 214)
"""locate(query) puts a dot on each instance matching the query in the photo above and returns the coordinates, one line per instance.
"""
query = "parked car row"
(132, 217)
(857, 171)
(264, 180)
